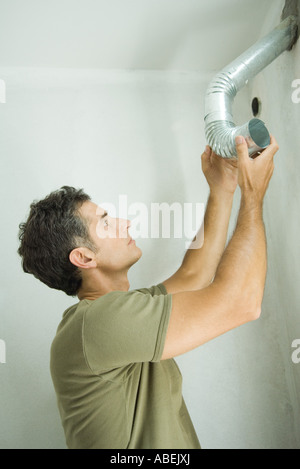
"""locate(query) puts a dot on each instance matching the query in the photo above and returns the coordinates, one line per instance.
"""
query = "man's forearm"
(243, 265)
(201, 263)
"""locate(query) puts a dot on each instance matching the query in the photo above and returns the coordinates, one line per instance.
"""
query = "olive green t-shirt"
(112, 389)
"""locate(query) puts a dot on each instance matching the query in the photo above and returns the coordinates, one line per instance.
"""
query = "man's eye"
(105, 222)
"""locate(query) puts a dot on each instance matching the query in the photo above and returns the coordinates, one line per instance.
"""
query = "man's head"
(115, 250)
(66, 235)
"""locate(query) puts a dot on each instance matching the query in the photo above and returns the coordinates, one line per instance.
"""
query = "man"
(112, 361)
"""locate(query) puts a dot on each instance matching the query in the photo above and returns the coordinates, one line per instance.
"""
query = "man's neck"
(98, 284)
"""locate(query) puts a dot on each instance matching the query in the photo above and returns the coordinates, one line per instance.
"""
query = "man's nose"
(123, 226)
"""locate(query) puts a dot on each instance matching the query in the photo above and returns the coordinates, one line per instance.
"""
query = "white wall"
(132, 133)
(282, 315)
(253, 384)
(128, 34)
(141, 134)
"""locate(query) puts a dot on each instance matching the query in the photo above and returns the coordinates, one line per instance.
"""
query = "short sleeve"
(121, 328)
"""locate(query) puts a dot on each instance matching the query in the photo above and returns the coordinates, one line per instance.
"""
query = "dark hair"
(53, 229)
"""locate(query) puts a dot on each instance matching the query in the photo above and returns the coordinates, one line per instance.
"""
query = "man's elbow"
(257, 313)
(248, 307)
(252, 311)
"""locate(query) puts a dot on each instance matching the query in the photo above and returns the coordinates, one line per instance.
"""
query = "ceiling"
(129, 34)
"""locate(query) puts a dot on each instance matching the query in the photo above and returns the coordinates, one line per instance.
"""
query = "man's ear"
(83, 258)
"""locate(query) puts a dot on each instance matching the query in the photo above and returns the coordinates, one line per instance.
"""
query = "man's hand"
(254, 174)
(221, 173)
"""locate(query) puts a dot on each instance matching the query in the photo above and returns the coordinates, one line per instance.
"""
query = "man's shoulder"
(76, 313)
(158, 289)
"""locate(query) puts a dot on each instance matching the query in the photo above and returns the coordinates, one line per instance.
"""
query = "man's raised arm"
(235, 295)
(200, 262)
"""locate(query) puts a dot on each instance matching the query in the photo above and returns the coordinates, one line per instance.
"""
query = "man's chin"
(137, 255)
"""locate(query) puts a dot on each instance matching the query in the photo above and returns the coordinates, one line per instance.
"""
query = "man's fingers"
(272, 149)
(243, 153)
(242, 148)
(204, 162)
(205, 157)
(269, 152)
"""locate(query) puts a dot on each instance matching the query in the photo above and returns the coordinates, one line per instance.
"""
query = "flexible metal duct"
(220, 129)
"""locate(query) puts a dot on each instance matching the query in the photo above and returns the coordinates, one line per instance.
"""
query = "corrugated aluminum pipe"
(220, 130)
